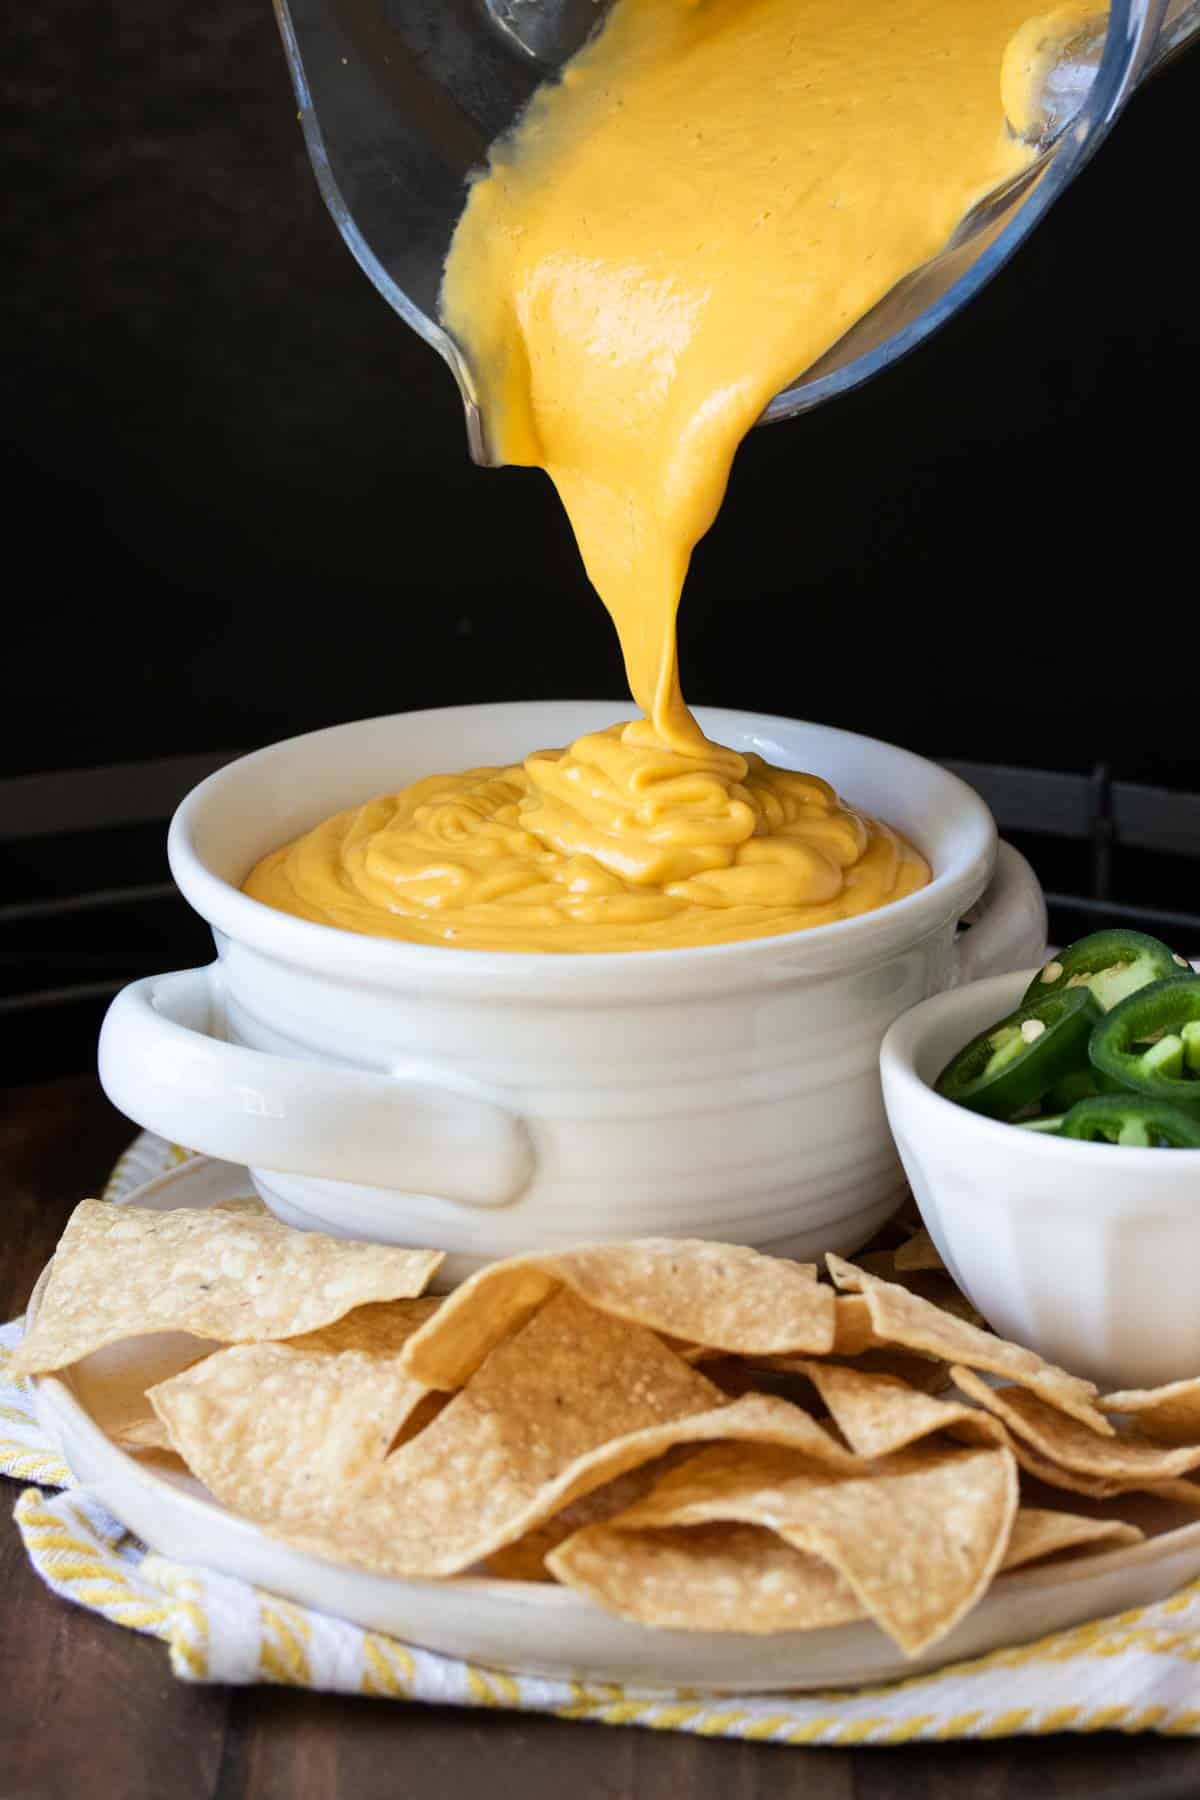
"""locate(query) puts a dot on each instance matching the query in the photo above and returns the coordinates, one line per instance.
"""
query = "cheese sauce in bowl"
(618, 843)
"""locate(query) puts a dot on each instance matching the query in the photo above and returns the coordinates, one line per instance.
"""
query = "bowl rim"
(978, 1003)
(845, 943)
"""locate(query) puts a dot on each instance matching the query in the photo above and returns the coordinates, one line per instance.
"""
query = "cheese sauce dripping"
(710, 196)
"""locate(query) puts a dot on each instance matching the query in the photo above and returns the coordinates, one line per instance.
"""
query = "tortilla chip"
(920, 1252)
(852, 1333)
(744, 1578)
(250, 1204)
(292, 1430)
(517, 1443)
(1039, 1532)
(1183, 1493)
(855, 1342)
(900, 1317)
(925, 1373)
(570, 1403)
(691, 1353)
(877, 1262)
(127, 1417)
(1051, 1475)
(917, 1538)
(932, 1284)
(145, 1433)
(124, 1271)
(1169, 1415)
(526, 1559)
(878, 1414)
(756, 1419)
(706, 1578)
(735, 1377)
(1128, 1461)
(426, 1410)
(716, 1295)
(941, 1291)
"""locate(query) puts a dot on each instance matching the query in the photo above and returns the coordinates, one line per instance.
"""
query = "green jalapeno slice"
(1134, 1121)
(1148, 1044)
(1012, 1065)
(1080, 1085)
(1050, 1126)
(1114, 964)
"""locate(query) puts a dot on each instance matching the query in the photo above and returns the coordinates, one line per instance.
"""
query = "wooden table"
(92, 1710)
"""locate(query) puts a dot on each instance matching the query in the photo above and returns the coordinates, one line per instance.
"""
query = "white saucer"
(535, 1628)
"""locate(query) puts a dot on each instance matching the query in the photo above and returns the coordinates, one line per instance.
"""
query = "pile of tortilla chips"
(690, 1434)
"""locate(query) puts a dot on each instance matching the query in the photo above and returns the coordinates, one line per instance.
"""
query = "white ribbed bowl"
(490, 1102)
(1085, 1252)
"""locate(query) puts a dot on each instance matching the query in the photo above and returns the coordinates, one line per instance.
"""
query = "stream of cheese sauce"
(712, 193)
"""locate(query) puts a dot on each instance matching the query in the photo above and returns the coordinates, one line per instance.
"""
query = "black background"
(240, 503)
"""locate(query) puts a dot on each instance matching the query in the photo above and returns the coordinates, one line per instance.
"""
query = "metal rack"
(1112, 819)
(89, 904)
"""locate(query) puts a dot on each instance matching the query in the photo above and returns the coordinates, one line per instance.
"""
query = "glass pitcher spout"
(399, 101)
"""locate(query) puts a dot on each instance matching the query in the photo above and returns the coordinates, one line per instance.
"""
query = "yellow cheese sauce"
(710, 196)
(612, 845)
(707, 200)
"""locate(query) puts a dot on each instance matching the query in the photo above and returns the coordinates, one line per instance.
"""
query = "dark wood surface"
(89, 1709)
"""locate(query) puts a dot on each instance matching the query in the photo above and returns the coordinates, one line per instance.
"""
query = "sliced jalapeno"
(1147, 1044)
(1013, 1064)
(1114, 964)
(1050, 1126)
(1079, 1086)
(1132, 1120)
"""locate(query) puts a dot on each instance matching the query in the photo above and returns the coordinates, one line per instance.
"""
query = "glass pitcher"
(400, 99)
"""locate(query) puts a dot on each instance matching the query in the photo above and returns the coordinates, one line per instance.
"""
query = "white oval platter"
(529, 1627)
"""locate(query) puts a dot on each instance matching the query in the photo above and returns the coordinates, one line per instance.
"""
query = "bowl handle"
(1008, 922)
(415, 1128)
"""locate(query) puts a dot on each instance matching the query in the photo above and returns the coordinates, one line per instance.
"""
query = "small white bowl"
(1088, 1253)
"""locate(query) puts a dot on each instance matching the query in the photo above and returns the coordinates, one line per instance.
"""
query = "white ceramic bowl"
(490, 1102)
(1085, 1252)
